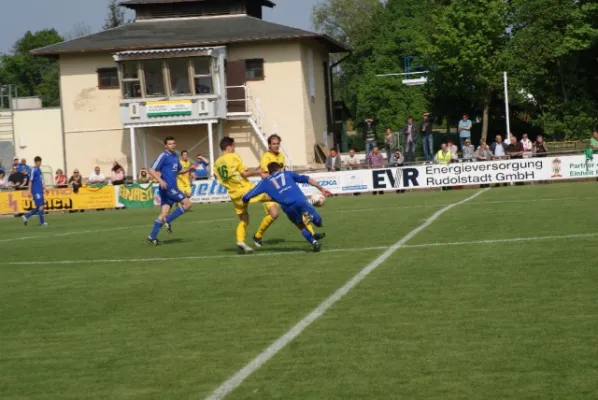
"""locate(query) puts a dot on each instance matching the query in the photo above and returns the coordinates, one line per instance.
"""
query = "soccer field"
(495, 298)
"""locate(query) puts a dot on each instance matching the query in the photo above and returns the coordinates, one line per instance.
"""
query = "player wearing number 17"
(281, 186)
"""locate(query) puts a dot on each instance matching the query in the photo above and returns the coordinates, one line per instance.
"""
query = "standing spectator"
(15, 162)
(483, 153)
(15, 179)
(468, 151)
(76, 181)
(143, 176)
(375, 158)
(498, 149)
(594, 141)
(24, 167)
(201, 167)
(425, 130)
(390, 142)
(3, 180)
(464, 130)
(454, 150)
(118, 174)
(540, 147)
(333, 161)
(369, 135)
(527, 146)
(409, 134)
(26, 180)
(60, 179)
(444, 155)
(515, 149)
(96, 177)
(351, 161)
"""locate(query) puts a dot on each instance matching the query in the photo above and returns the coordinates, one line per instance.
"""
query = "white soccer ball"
(317, 199)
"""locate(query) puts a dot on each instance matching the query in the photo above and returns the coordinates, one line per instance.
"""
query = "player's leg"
(272, 212)
(176, 196)
(38, 202)
(295, 215)
(311, 215)
(166, 204)
(41, 215)
(242, 227)
(29, 215)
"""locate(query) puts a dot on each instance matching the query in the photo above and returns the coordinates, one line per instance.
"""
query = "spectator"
(390, 142)
(444, 155)
(15, 179)
(397, 159)
(60, 179)
(3, 180)
(143, 176)
(483, 153)
(201, 167)
(515, 149)
(24, 167)
(464, 130)
(540, 147)
(118, 174)
(527, 146)
(76, 181)
(409, 134)
(351, 161)
(15, 162)
(425, 130)
(454, 150)
(369, 135)
(498, 149)
(26, 180)
(333, 161)
(375, 158)
(468, 150)
(594, 141)
(96, 177)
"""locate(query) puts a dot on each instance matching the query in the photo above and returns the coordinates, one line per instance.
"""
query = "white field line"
(234, 381)
(208, 221)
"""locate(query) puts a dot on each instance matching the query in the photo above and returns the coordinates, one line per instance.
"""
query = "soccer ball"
(317, 199)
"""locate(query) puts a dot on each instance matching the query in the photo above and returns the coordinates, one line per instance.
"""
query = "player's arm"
(153, 171)
(243, 171)
(29, 194)
(306, 179)
(256, 191)
(264, 165)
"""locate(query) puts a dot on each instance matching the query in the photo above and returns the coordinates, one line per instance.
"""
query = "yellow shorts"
(262, 198)
(186, 189)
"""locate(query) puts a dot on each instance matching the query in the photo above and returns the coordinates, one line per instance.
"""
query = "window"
(254, 69)
(130, 77)
(179, 77)
(202, 75)
(108, 78)
(154, 78)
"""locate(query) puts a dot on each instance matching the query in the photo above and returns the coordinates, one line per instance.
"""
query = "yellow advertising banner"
(87, 198)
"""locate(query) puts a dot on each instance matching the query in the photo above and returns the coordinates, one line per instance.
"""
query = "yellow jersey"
(184, 180)
(228, 169)
(270, 157)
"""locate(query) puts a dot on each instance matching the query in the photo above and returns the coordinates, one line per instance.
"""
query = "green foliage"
(116, 16)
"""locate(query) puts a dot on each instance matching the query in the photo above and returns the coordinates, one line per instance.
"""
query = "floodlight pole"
(506, 84)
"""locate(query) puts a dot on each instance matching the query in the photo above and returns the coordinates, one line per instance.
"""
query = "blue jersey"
(168, 165)
(281, 187)
(37, 181)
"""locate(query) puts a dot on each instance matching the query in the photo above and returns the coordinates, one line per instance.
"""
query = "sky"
(66, 15)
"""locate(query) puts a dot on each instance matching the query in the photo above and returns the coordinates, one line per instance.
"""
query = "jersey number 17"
(282, 183)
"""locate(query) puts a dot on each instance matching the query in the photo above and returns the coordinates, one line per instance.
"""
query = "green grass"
(514, 319)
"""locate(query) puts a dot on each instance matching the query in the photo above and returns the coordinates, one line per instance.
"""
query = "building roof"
(185, 32)
(127, 3)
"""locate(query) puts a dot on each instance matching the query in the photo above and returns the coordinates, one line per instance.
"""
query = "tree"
(78, 30)
(116, 16)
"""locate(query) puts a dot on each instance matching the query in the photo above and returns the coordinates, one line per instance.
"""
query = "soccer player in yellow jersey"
(184, 180)
(274, 155)
(232, 174)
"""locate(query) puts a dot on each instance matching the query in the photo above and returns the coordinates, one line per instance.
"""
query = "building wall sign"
(170, 108)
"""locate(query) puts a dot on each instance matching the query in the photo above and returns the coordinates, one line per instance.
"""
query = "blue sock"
(32, 213)
(41, 217)
(177, 213)
(157, 227)
(308, 236)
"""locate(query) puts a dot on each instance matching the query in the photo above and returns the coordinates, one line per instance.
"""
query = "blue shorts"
(295, 212)
(168, 197)
(38, 199)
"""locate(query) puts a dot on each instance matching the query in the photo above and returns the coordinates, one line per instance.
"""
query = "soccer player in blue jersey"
(165, 170)
(281, 187)
(36, 191)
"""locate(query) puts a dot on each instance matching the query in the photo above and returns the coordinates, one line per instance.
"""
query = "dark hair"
(225, 142)
(333, 149)
(184, 151)
(37, 158)
(117, 166)
(273, 167)
(168, 138)
(274, 136)
(410, 117)
(465, 115)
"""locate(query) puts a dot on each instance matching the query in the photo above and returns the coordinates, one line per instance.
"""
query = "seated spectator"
(483, 152)
(515, 149)
(3, 180)
(201, 167)
(351, 161)
(96, 177)
(444, 155)
(24, 167)
(118, 174)
(333, 161)
(15, 162)
(375, 159)
(498, 149)
(594, 141)
(540, 148)
(26, 180)
(60, 179)
(396, 159)
(468, 150)
(527, 146)
(454, 150)
(15, 179)
(76, 181)
(143, 176)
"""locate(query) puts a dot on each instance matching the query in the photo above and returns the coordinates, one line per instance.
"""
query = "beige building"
(198, 70)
